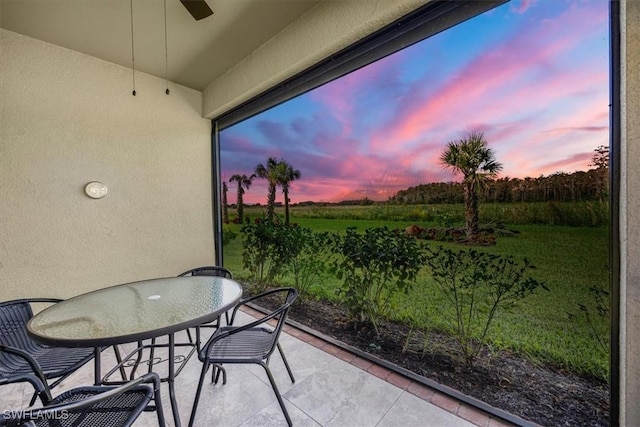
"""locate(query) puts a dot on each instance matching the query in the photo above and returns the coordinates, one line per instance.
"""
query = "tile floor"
(332, 388)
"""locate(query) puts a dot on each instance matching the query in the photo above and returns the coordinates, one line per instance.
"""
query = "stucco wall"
(67, 119)
(630, 212)
(321, 32)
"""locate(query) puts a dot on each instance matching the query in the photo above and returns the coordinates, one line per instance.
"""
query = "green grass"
(568, 259)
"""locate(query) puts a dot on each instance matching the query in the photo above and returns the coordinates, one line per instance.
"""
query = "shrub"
(478, 285)
(306, 259)
(373, 266)
(228, 235)
(596, 315)
(265, 251)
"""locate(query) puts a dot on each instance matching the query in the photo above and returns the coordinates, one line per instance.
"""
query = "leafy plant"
(228, 235)
(373, 266)
(265, 252)
(478, 285)
(307, 261)
(597, 308)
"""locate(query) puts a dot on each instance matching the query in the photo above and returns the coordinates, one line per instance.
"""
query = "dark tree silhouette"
(286, 174)
(472, 157)
(243, 181)
(225, 205)
(270, 173)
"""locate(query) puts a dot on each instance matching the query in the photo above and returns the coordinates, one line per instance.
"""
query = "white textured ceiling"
(198, 51)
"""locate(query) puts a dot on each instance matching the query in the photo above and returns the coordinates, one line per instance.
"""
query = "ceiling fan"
(199, 9)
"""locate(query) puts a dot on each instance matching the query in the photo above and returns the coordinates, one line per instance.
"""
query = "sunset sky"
(532, 75)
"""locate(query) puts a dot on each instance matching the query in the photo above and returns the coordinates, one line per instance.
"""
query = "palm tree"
(269, 172)
(286, 174)
(476, 161)
(243, 181)
(225, 205)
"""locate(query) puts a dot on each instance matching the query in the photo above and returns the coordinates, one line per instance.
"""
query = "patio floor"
(332, 388)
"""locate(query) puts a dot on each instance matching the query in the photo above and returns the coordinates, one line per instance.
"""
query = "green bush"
(265, 251)
(373, 266)
(228, 235)
(477, 285)
(595, 311)
(307, 261)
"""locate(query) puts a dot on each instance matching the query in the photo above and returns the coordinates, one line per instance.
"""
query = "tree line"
(470, 156)
(592, 184)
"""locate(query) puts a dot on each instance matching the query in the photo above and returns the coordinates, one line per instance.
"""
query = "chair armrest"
(31, 300)
(32, 379)
(244, 301)
(38, 374)
(43, 299)
(217, 337)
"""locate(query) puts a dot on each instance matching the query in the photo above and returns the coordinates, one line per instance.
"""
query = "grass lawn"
(568, 259)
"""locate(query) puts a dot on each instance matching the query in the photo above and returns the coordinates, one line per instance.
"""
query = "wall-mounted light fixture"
(96, 190)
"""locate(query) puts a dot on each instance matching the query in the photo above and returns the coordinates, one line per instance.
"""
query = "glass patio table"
(133, 312)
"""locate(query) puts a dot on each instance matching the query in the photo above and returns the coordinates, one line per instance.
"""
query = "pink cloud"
(522, 7)
(569, 164)
(473, 90)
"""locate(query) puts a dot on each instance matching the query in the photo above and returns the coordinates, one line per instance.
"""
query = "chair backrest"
(92, 405)
(283, 310)
(212, 270)
(14, 316)
(279, 314)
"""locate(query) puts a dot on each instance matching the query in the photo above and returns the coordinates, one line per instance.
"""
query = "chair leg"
(205, 368)
(286, 364)
(158, 403)
(277, 392)
(215, 374)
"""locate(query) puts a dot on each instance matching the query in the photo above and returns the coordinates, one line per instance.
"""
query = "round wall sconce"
(95, 190)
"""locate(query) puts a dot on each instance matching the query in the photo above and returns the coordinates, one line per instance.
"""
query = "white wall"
(67, 119)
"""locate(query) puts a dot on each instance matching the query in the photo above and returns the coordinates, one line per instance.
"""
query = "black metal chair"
(211, 270)
(253, 343)
(93, 406)
(55, 362)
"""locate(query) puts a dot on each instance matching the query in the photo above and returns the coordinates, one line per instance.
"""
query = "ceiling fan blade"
(199, 9)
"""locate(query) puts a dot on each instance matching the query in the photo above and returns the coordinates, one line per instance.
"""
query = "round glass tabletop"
(134, 311)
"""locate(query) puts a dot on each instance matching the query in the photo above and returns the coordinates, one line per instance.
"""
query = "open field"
(568, 259)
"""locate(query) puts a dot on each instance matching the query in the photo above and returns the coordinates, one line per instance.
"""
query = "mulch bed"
(540, 394)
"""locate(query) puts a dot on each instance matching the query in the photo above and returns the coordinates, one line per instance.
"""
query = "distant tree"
(225, 205)
(286, 174)
(270, 171)
(600, 162)
(243, 181)
(600, 159)
(472, 157)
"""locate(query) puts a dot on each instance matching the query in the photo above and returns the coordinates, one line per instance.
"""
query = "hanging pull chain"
(166, 55)
(133, 66)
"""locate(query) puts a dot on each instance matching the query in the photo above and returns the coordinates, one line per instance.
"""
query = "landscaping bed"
(539, 394)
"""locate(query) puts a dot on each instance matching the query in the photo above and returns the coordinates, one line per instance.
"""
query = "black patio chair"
(93, 406)
(211, 270)
(253, 343)
(56, 363)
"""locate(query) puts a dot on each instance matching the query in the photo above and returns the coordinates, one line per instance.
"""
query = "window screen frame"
(424, 22)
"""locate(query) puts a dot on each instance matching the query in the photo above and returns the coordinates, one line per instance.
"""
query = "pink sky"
(531, 75)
